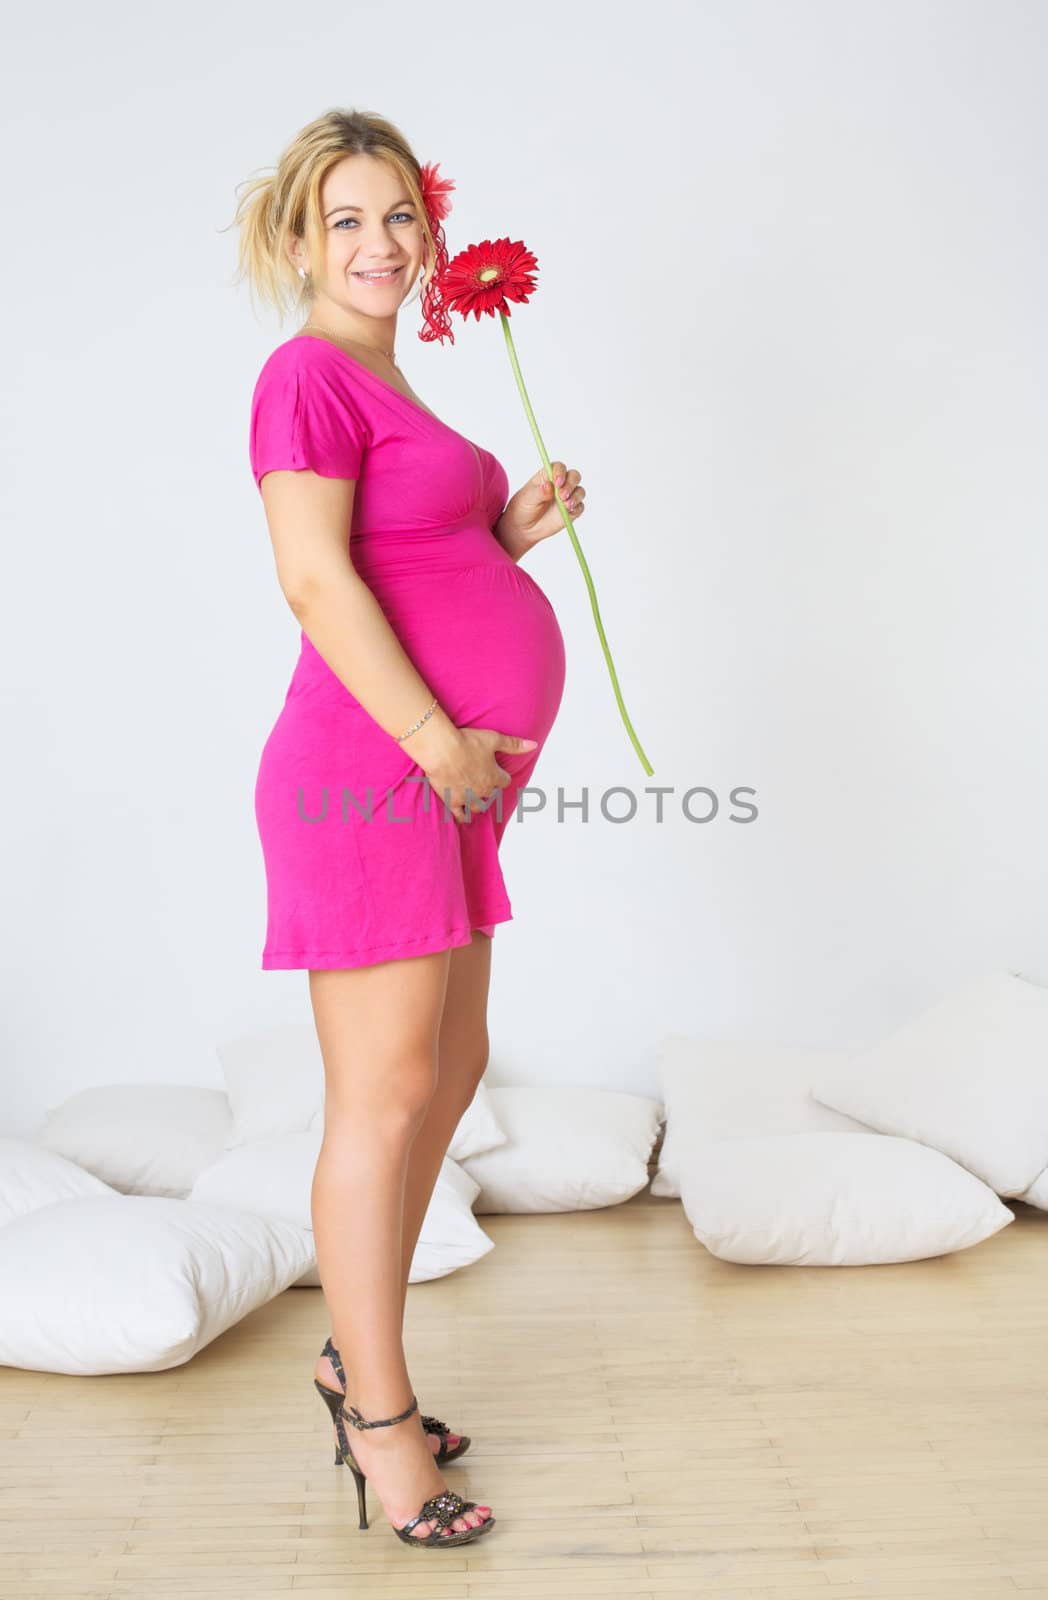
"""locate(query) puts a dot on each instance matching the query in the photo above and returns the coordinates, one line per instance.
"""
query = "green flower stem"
(649, 769)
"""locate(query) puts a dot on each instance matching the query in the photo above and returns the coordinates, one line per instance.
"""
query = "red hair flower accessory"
(485, 277)
(436, 191)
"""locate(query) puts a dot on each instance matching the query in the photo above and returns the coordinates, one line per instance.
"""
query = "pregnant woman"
(431, 671)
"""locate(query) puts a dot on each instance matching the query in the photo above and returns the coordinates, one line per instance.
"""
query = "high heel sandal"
(332, 1400)
(441, 1509)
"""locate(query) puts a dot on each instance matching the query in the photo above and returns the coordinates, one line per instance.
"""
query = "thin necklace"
(389, 355)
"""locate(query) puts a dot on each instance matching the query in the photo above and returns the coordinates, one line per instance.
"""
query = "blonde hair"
(287, 202)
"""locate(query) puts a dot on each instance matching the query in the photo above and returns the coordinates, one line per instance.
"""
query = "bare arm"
(309, 519)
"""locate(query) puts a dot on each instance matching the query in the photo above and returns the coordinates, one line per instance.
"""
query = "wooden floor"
(647, 1421)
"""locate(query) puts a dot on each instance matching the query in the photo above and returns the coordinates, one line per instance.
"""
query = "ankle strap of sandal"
(352, 1415)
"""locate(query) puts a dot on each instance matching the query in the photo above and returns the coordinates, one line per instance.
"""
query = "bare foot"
(401, 1471)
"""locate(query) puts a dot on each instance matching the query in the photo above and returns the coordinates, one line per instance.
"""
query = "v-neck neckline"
(424, 410)
(391, 389)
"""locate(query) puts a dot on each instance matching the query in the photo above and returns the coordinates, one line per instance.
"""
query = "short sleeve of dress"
(304, 416)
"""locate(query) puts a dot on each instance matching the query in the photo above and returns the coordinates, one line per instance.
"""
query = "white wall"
(790, 325)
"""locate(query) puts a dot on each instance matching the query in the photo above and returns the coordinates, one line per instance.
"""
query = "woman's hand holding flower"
(533, 513)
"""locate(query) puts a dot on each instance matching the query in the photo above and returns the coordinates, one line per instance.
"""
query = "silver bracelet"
(402, 736)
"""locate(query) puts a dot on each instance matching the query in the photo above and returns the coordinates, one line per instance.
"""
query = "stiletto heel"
(362, 1493)
(332, 1398)
(439, 1508)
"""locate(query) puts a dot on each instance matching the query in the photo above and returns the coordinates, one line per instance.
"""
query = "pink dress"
(363, 863)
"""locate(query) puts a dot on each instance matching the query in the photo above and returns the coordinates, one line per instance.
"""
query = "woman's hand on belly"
(460, 763)
(533, 513)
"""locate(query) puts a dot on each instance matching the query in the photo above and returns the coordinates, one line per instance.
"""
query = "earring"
(302, 272)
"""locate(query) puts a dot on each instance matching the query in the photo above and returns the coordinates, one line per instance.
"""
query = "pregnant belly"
(487, 642)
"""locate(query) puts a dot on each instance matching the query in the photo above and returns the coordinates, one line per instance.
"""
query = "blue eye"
(406, 214)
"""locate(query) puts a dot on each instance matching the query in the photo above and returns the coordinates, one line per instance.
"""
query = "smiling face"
(374, 245)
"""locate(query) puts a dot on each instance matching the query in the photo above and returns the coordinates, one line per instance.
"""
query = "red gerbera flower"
(485, 276)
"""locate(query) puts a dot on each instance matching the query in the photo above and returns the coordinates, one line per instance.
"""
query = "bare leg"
(462, 1057)
(378, 1029)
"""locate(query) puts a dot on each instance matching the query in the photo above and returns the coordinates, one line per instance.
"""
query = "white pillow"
(274, 1078)
(451, 1236)
(567, 1149)
(31, 1177)
(132, 1283)
(141, 1138)
(275, 1081)
(719, 1089)
(834, 1200)
(1037, 1193)
(478, 1128)
(968, 1076)
(274, 1177)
